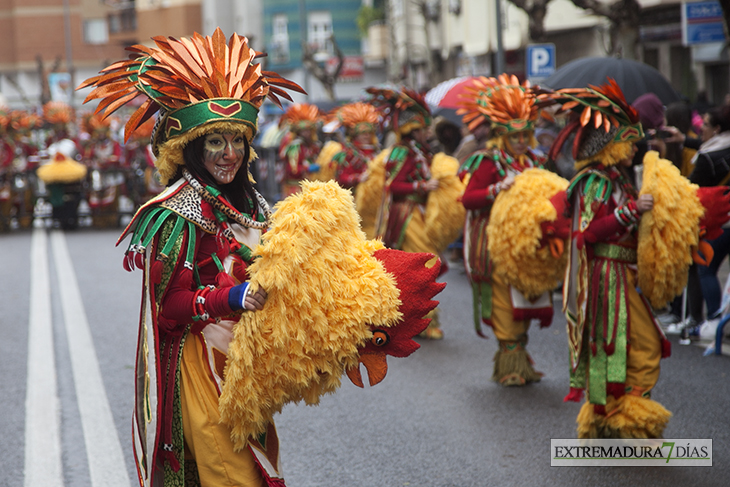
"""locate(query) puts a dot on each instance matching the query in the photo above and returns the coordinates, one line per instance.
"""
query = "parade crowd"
(619, 207)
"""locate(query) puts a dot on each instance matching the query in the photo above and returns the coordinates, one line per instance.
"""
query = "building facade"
(63, 37)
(287, 24)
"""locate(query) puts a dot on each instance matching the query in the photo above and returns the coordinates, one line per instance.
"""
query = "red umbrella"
(446, 94)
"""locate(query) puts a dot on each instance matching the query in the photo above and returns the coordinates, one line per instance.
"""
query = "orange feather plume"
(178, 72)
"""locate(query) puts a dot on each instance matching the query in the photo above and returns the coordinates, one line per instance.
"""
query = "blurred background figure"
(361, 144)
(299, 148)
(64, 178)
(712, 168)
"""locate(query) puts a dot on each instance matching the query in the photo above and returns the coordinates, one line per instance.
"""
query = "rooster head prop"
(335, 300)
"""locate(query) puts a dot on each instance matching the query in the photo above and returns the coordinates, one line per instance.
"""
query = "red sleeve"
(401, 186)
(480, 192)
(346, 175)
(177, 303)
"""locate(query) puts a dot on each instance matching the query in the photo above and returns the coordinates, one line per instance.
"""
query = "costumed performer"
(414, 216)
(194, 241)
(63, 178)
(58, 118)
(615, 343)
(7, 171)
(622, 239)
(22, 125)
(512, 111)
(300, 148)
(103, 156)
(361, 144)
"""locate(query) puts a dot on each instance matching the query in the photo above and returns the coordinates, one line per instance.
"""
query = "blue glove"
(313, 168)
(237, 296)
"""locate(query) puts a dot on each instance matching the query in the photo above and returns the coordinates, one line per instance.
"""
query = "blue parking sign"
(540, 61)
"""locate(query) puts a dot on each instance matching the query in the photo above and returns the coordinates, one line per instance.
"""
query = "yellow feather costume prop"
(514, 233)
(667, 233)
(444, 213)
(61, 170)
(327, 167)
(370, 193)
(324, 288)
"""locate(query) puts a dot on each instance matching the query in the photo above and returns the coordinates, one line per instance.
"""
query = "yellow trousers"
(207, 441)
(506, 329)
(645, 347)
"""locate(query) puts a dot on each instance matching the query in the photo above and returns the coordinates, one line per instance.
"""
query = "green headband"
(214, 110)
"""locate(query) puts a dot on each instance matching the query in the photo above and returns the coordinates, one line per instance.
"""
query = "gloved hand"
(240, 297)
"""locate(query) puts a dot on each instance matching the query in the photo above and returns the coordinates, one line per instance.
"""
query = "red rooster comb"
(417, 285)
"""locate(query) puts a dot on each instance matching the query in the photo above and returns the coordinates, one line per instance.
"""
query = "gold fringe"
(667, 233)
(514, 367)
(627, 417)
(612, 154)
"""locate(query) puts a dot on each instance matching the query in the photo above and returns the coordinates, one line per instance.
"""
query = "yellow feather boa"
(370, 193)
(667, 233)
(327, 167)
(324, 288)
(444, 212)
(514, 233)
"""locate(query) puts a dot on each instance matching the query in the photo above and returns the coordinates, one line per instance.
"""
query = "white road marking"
(104, 451)
(43, 466)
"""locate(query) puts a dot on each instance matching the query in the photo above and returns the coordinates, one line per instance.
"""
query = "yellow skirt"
(207, 441)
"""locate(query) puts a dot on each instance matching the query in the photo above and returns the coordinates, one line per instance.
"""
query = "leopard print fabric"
(186, 203)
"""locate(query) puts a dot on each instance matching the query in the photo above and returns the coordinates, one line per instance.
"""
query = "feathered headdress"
(358, 117)
(503, 101)
(57, 113)
(404, 111)
(300, 116)
(94, 122)
(199, 85)
(22, 121)
(604, 124)
(5, 118)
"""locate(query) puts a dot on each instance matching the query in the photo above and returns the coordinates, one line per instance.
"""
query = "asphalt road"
(436, 420)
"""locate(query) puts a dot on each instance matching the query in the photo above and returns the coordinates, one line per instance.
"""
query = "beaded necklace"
(222, 208)
(500, 158)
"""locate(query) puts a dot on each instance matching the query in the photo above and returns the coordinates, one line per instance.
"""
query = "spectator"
(712, 168)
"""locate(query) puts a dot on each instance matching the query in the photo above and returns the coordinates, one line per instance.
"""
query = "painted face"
(223, 155)
(363, 138)
(518, 142)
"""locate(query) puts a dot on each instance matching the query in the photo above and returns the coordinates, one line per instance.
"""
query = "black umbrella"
(633, 77)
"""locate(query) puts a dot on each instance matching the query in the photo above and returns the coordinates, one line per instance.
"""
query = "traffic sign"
(702, 23)
(540, 61)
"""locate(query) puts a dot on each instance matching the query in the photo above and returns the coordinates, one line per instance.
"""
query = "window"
(96, 31)
(320, 33)
(279, 51)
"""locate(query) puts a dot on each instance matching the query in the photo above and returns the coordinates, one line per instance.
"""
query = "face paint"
(223, 155)
(517, 143)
